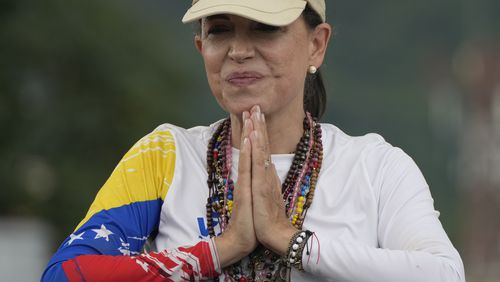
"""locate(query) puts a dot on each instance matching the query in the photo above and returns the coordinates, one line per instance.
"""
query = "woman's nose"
(241, 49)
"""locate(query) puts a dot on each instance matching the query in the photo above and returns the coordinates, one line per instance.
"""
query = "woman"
(269, 193)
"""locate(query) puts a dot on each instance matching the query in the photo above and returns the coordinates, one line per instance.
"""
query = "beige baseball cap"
(272, 12)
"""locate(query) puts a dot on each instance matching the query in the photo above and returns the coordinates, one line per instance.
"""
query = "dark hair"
(314, 88)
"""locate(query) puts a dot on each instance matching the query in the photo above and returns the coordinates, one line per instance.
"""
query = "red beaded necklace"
(298, 192)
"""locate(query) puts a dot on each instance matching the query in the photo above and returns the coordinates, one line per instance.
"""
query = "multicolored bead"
(298, 192)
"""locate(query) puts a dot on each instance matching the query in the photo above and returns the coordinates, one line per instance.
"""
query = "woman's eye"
(217, 29)
(267, 28)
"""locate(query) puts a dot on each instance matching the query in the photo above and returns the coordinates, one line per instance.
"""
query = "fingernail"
(255, 116)
(245, 115)
(263, 117)
(257, 108)
(245, 140)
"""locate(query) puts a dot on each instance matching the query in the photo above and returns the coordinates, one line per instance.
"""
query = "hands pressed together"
(258, 214)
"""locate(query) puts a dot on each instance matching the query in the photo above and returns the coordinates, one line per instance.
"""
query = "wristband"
(295, 249)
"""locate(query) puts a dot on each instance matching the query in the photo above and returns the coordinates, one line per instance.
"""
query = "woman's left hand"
(272, 227)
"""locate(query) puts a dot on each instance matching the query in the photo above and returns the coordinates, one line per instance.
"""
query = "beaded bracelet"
(296, 248)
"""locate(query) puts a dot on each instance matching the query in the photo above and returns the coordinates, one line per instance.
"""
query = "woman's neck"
(284, 131)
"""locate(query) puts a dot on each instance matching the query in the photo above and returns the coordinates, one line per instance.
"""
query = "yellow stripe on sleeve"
(144, 173)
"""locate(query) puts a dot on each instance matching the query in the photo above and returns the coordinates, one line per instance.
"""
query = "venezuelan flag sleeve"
(107, 244)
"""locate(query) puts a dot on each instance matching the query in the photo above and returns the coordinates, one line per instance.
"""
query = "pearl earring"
(312, 69)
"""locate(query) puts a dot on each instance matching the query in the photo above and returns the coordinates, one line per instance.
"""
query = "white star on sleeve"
(74, 237)
(102, 233)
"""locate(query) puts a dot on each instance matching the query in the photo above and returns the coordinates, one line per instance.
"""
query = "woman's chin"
(238, 110)
(237, 105)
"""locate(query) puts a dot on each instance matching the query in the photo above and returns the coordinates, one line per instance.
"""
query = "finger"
(244, 164)
(260, 150)
(264, 128)
(259, 157)
(245, 161)
(260, 122)
(247, 126)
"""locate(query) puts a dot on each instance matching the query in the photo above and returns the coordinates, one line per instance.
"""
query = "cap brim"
(272, 12)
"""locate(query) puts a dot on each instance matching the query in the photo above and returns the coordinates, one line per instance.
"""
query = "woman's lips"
(243, 78)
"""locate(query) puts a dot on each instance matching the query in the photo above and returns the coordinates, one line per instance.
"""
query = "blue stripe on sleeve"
(118, 231)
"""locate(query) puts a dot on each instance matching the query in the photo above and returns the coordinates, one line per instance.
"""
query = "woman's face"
(249, 63)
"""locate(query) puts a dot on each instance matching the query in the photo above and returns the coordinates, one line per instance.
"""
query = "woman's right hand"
(239, 240)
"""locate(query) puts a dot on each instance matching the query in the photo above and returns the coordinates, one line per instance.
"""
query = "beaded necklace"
(298, 192)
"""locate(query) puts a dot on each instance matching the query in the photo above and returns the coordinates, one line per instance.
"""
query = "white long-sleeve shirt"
(372, 215)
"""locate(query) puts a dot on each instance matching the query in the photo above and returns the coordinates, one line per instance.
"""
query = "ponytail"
(314, 88)
(315, 95)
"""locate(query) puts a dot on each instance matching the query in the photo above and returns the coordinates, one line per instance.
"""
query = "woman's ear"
(320, 37)
(198, 43)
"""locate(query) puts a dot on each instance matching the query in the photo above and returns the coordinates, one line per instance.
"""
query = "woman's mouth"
(242, 79)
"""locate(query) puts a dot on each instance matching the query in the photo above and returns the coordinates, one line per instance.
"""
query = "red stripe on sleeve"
(186, 263)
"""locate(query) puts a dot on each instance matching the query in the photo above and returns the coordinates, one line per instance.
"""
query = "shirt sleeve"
(107, 244)
(413, 245)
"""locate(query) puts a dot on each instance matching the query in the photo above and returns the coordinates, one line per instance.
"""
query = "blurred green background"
(81, 81)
